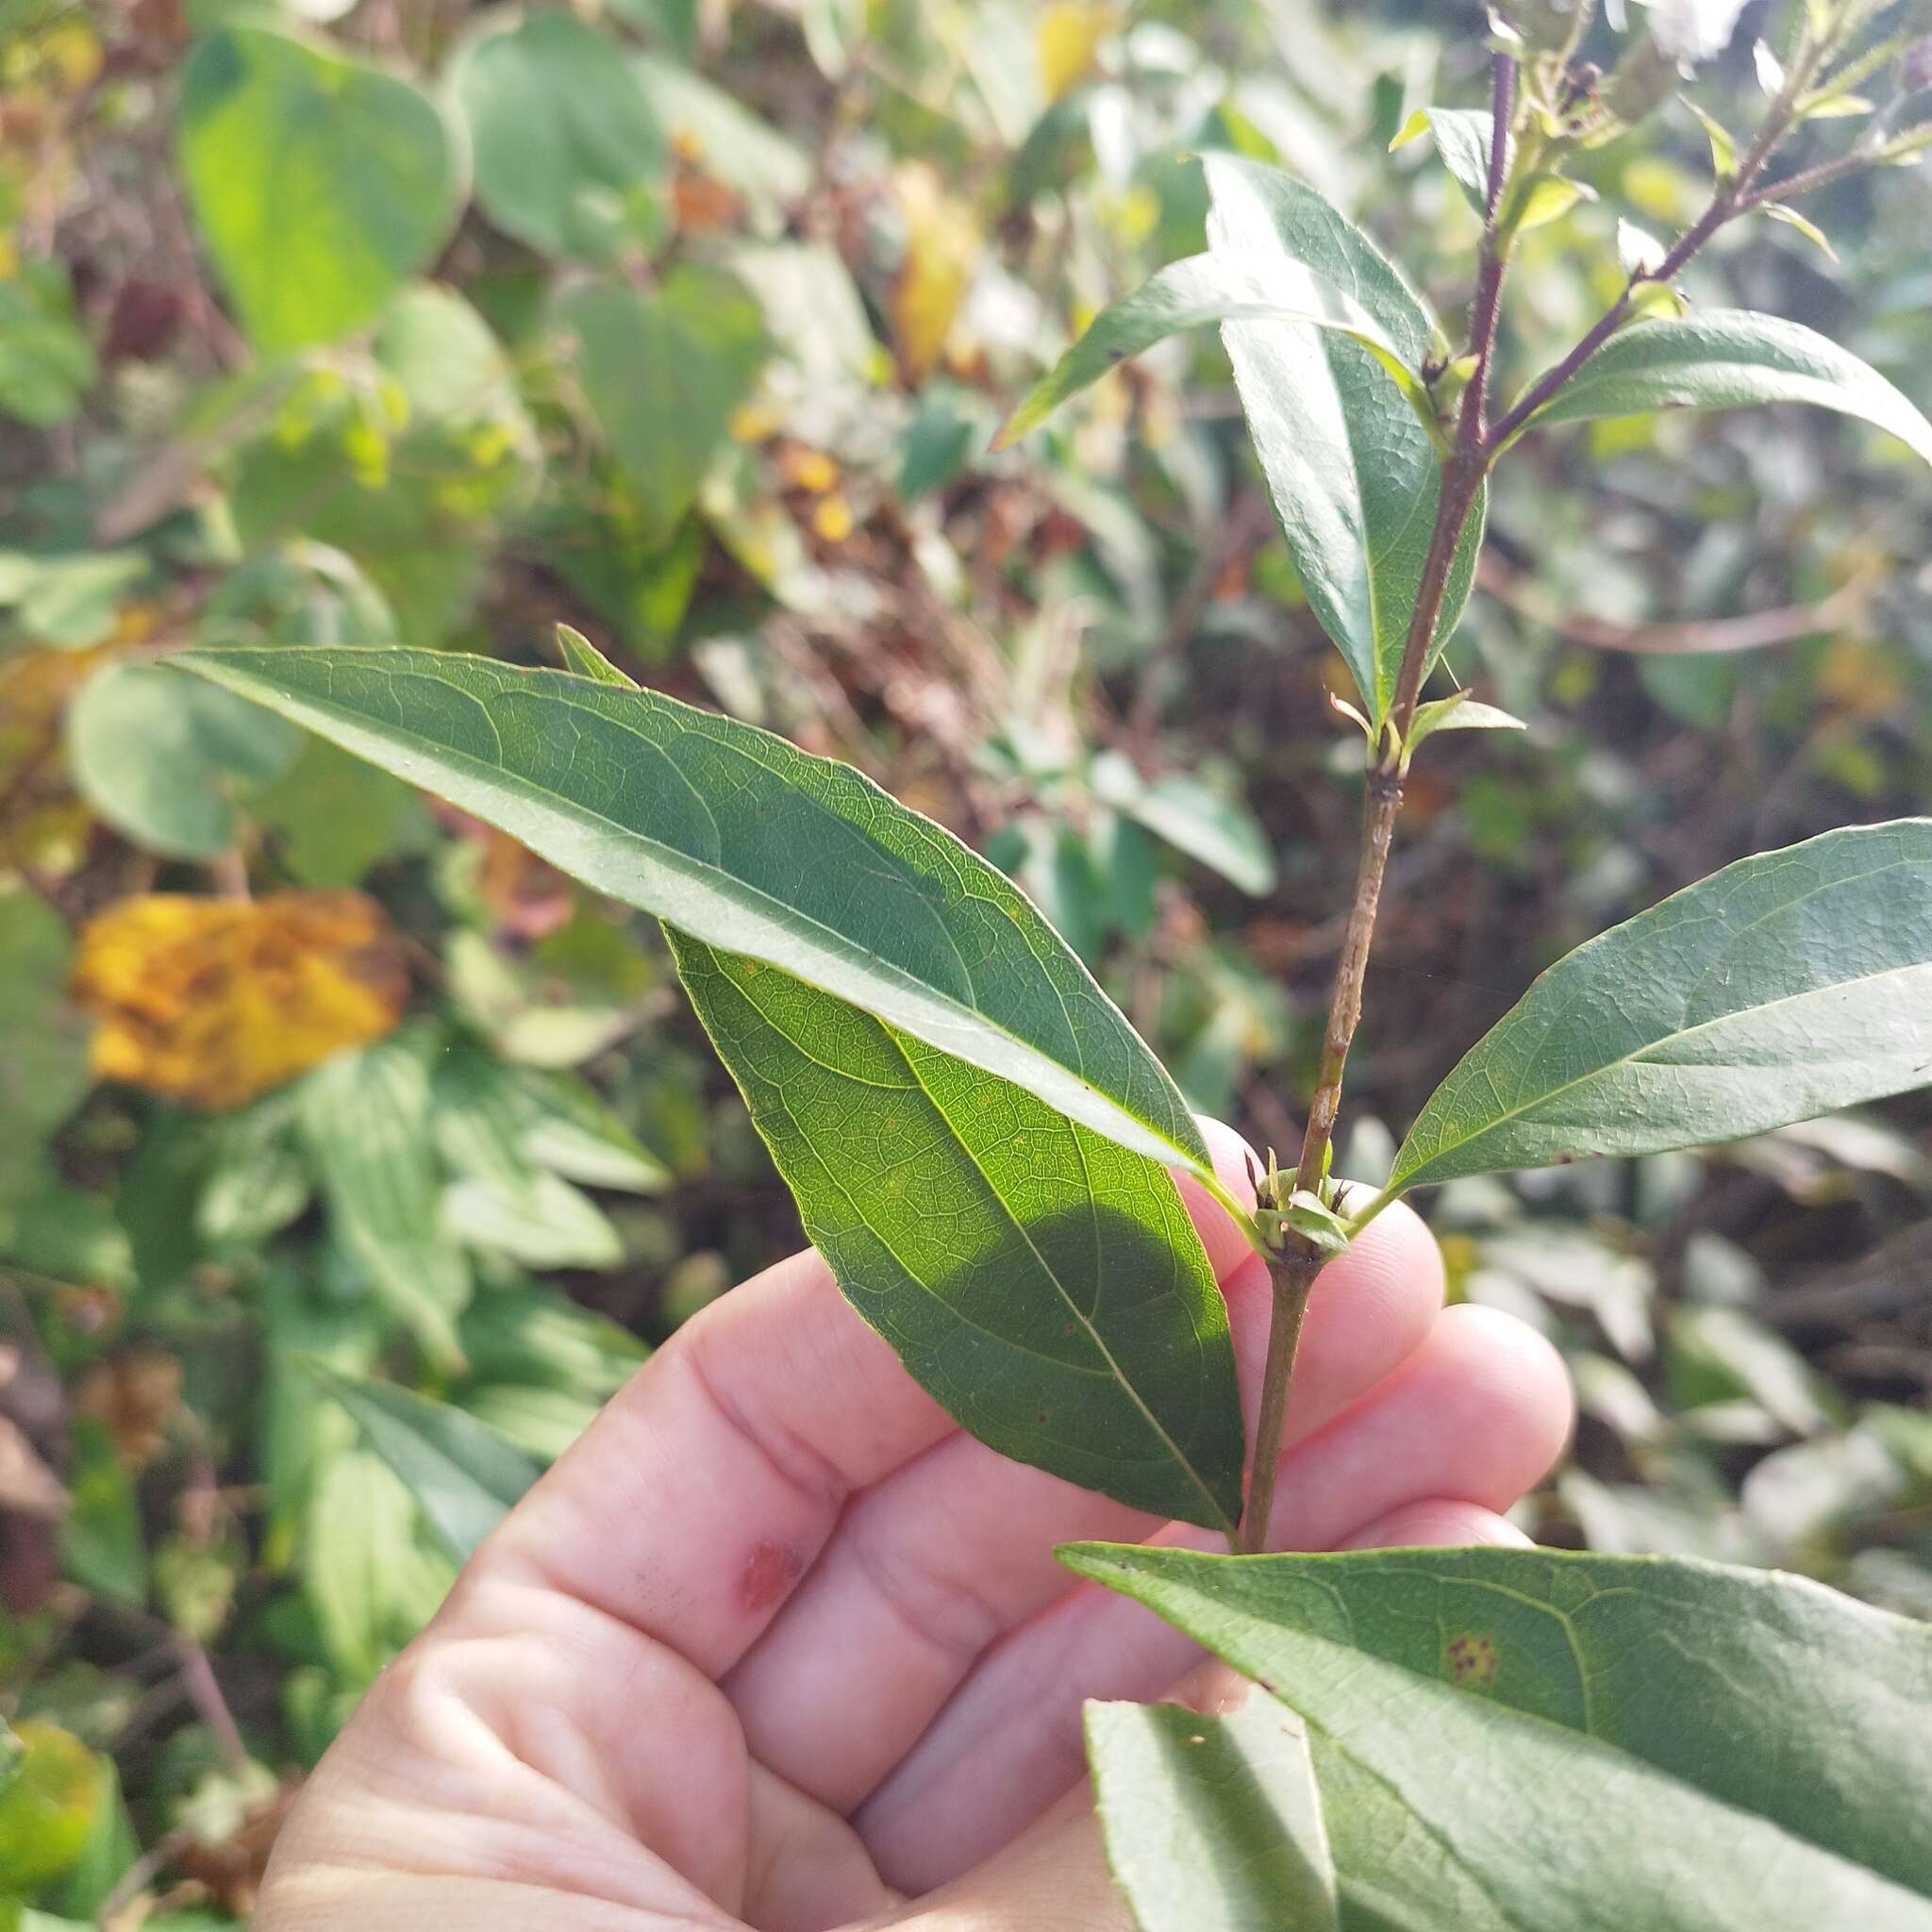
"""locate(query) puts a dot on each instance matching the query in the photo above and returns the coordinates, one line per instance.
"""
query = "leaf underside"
(1044, 1284)
(1779, 988)
(1213, 1823)
(1509, 1740)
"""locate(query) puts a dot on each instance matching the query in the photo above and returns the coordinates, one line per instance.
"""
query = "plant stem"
(1294, 1267)
(1293, 1280)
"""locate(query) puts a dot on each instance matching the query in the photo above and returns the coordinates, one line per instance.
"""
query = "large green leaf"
(1724, 358)
(1517, 1738)
(1222, 287)
(748, 843)
(1044, 1284)
(366, 1117)
(321, 184)
(1353, 473)
(465, 1475)
(1213, 1823)
(1774, 991)
(569, 155)
(160, 757)
(664, 372)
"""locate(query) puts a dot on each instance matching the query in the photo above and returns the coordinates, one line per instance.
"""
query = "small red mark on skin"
(769, 1572)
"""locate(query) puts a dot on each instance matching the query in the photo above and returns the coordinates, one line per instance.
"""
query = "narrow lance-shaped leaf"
(1779, 989)
(1353, 471)
(1506, 1738)
(1725, 358)
(465, 1475)
(747, 844)
(1213, 1823)
(1046, 1285)
(1189, 294)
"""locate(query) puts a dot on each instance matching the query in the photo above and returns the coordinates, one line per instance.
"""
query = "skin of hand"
(776, 1645)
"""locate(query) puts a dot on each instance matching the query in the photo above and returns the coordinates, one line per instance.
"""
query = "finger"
(692, 1505)
(1473, 1417)
(933, 1564)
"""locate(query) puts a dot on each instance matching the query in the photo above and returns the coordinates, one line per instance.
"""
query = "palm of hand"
(775, 1646)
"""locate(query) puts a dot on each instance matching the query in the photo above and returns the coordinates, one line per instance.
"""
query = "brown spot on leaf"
(1471, 1662)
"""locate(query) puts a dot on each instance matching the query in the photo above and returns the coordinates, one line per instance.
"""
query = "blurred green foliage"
(690, 322)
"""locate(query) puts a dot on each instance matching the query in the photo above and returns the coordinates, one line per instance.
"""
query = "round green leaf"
(160, 757)
(569, 156)
(321, 184)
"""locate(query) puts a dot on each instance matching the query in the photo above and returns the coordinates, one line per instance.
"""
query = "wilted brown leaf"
(214, 1001)
(134, 1397)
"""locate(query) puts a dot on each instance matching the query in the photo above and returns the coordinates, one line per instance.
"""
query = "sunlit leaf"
(569, 155)
(1043, 1284)
(465, 1475)
(1782, 986)
(743, 840)
(366, 1117)
(1189, 294)
(1724, 358)
(1352, 473)
(363, 190)
(665, 370)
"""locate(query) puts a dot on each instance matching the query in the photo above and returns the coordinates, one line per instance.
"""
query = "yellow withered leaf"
(213, 1000)
(941, 250)
(1066, 38)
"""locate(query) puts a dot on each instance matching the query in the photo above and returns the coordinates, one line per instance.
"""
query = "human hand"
(776, 1645)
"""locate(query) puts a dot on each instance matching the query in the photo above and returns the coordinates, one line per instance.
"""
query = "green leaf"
(749, 845)
(1046, 1287)
(321, 184)
(582, 657)
(1723, 149)
(366, 1117)
(1508, 1739)
(664, 373)
(1221, 287)
(1790, 217)
(1724, 358)
(569, 156)
(1353, 471)
(1462, 139)
(1458, 712)
(1194, 818)
(44, 1063)
(1213, 1823)
(160, 757)
(101, 1544)
(69, 602)
(1779, 989)
(372, 1574)
(465, 1477)
(46, 362)
(47, 1808)
(732, 145)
